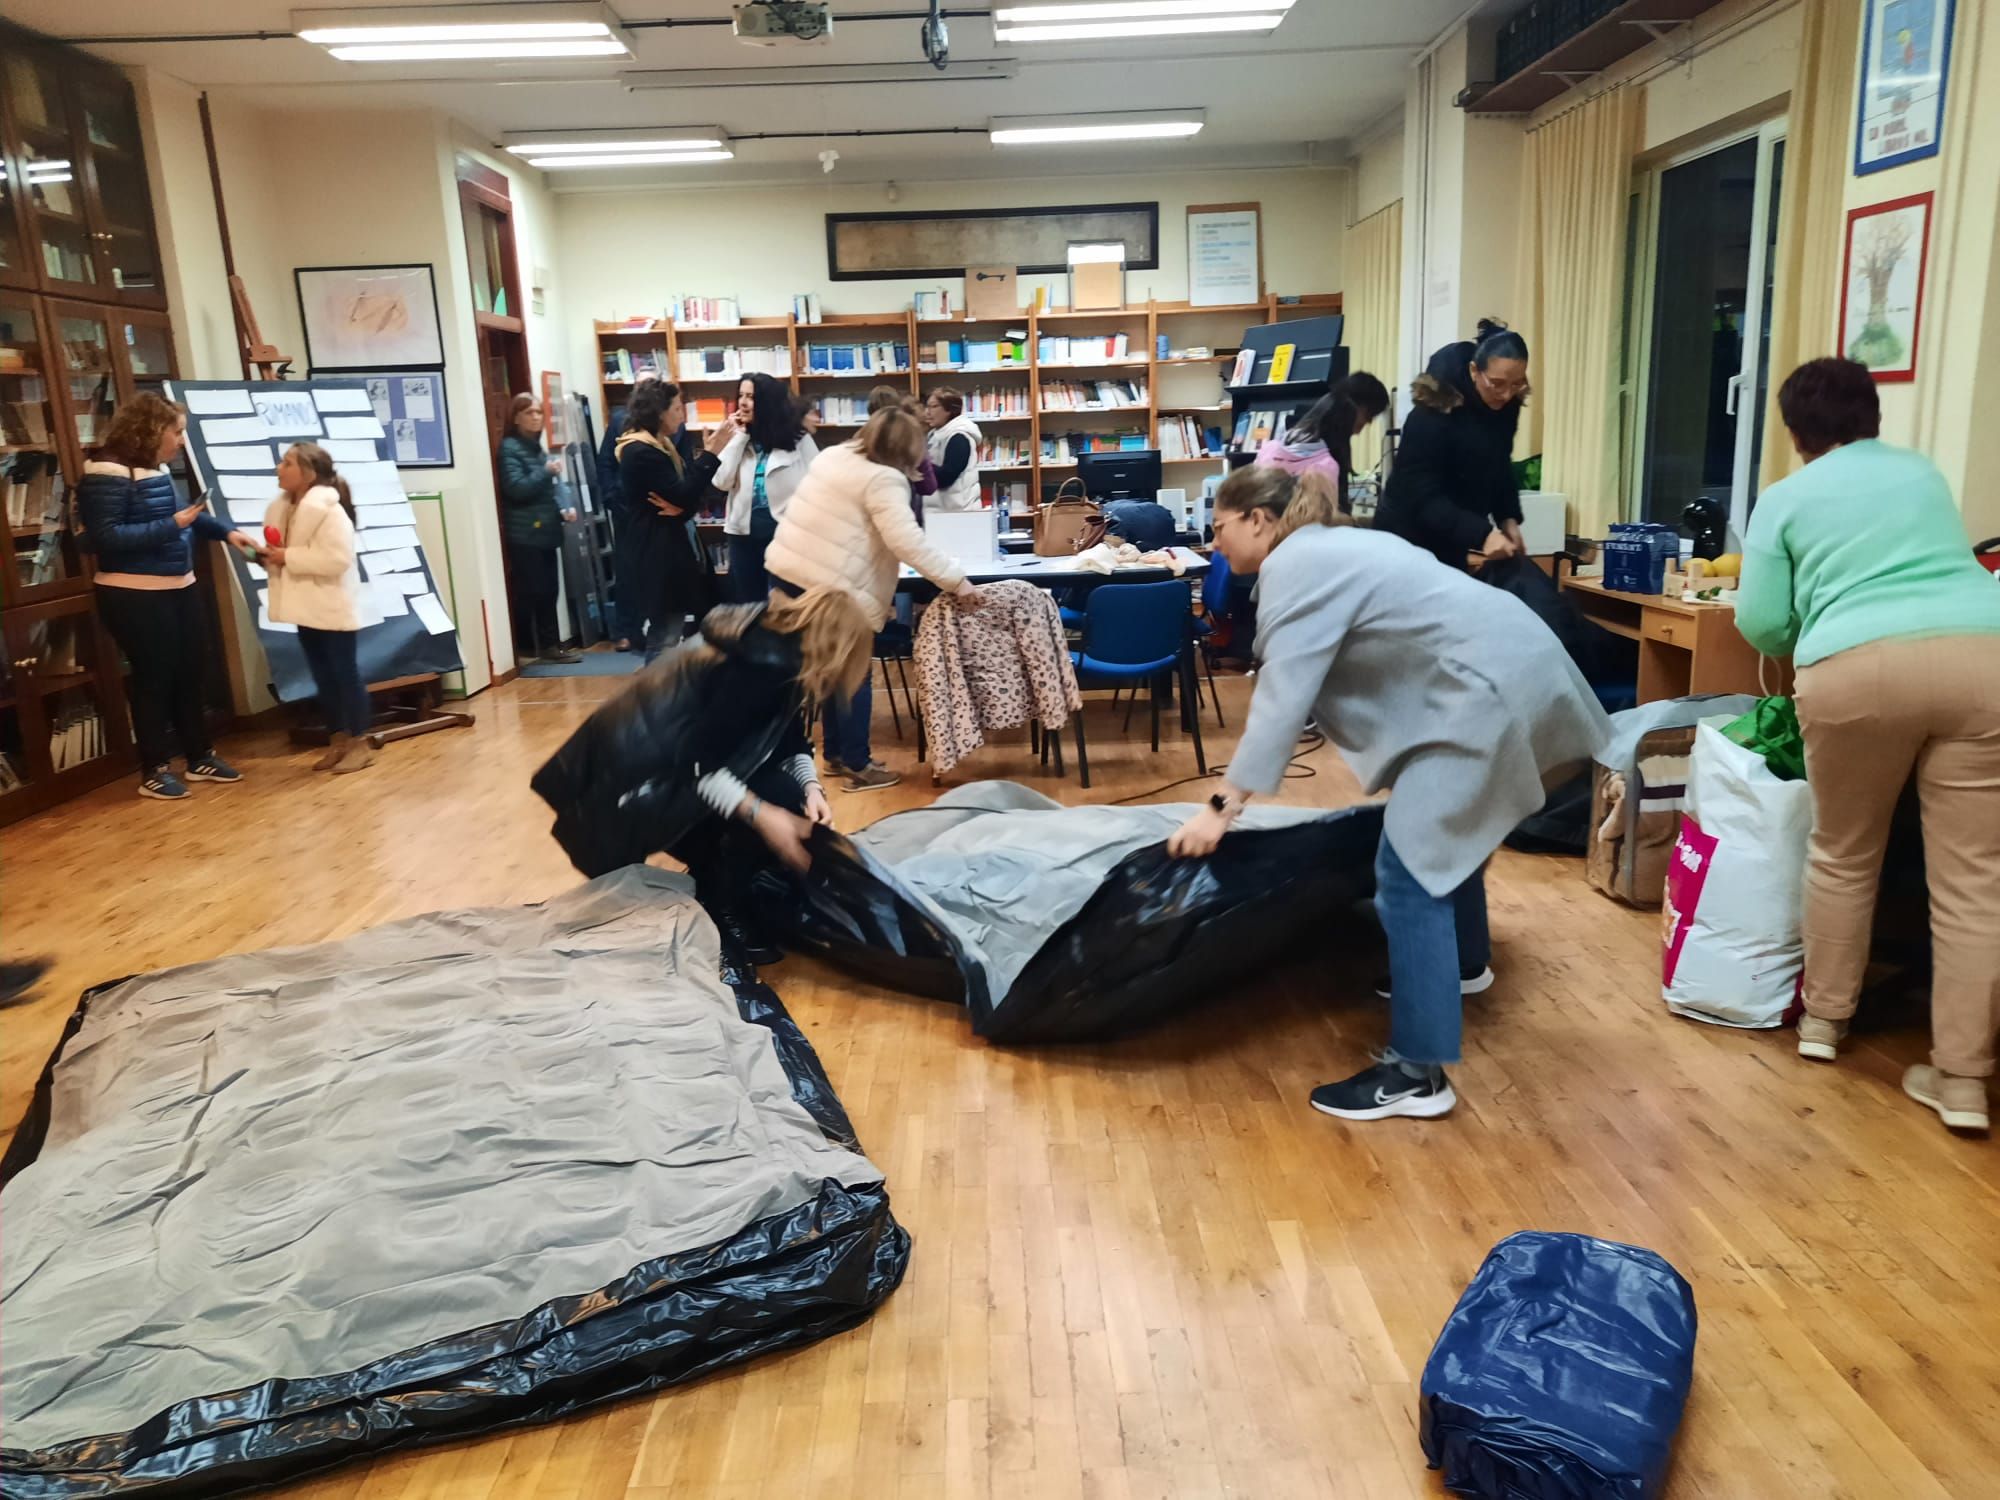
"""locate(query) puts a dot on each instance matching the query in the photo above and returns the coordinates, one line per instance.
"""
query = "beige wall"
(1378, 169)
(622, 254)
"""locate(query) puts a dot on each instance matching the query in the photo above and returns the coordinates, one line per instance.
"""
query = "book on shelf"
(1246, 366)
(884, 357)
(843, 410)
(709, 411)
(1281, 363)
(1002, 452)
(997, 401)
(1062, 349)
(705, 312)
(730, 361)
(12, 776)
(1064, 447)
(805, 308)
(1184, 437)
(1092, 395)
(936, 304)
(1262, 425)
(636, 325)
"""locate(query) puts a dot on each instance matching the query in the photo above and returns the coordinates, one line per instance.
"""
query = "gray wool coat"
(1443, 689)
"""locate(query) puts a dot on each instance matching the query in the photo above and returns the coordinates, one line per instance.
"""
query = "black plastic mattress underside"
(789, 1279)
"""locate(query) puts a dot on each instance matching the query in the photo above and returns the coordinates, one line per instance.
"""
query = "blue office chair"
(1214, 607)
(1134, 633)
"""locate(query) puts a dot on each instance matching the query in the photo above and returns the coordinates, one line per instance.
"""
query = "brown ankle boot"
(359, 757)
(336, 748)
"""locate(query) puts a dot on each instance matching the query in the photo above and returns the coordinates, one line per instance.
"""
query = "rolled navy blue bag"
(1561, 1374)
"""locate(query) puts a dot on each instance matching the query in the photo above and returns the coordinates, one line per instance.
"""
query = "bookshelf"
(1022, 403)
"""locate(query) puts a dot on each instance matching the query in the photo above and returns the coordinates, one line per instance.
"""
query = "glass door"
(1712, 224)
(51, 182)
(42, 542)
(121, 205)
(15, 267)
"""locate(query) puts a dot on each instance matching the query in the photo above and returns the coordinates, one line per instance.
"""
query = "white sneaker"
(1470, 982)
(1820, 1040)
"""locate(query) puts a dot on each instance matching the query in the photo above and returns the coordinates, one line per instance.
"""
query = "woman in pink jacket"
(1322, 440)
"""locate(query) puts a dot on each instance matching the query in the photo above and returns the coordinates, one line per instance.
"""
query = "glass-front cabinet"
(45, 553)
(63, 725)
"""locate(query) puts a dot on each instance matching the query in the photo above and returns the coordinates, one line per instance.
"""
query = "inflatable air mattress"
(1053, 923)
(458, 1173)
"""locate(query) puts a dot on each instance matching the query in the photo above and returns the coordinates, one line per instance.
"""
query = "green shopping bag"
(1772, 730)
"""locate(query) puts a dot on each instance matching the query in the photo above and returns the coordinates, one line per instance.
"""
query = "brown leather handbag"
(1068, 523)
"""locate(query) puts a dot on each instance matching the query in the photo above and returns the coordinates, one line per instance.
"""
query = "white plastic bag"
(1731, 950)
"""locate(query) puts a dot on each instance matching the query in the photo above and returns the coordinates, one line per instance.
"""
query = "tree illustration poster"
(1882, 292)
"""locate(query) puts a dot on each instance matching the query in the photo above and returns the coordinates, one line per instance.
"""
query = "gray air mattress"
(468, 1170)
(1053, 923)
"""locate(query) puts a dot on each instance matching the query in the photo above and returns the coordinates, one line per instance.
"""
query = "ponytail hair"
(319, 463)
(1294, 501)
(1498, 341)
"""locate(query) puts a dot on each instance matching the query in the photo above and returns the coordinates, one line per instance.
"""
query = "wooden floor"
(1147, 1269)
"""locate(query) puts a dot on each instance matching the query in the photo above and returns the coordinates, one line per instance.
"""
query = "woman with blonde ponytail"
(1449, 693)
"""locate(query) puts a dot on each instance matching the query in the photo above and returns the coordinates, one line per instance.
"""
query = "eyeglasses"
(1507, 388)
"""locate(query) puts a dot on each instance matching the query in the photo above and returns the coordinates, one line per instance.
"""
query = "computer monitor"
(1121, 474)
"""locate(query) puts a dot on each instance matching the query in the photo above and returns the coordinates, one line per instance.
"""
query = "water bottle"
(1006, 514)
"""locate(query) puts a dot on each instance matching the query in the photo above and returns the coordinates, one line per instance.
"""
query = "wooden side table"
(1683, 648)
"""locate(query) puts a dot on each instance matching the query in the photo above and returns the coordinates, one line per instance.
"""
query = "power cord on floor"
(1295, 770)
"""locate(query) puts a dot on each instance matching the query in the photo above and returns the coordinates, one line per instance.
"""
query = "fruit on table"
(1729, 565)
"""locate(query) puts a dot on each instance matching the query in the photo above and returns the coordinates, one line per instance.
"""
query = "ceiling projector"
(765, 22)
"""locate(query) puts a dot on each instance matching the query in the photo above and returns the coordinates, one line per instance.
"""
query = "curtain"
(1819, 138)
(1576, 176)
(1373, 304)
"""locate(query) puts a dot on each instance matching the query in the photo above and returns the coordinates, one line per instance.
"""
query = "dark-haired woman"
(1452, 491)
(533, 532)
(767, 455)
(144, 540)
(663, 485)
(1860, 567)
(1322, 441)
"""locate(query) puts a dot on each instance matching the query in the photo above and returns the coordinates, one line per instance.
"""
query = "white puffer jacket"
(736, 477)
(319, 585)
(963, 492)
(848, 526)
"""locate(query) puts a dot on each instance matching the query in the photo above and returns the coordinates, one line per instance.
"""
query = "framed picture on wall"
(369, 317)
(1882, 285)
(1905, 60)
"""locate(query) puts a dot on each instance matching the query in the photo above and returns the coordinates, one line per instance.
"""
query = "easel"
(260, 358)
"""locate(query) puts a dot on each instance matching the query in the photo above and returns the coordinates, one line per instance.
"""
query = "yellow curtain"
(1576, 176)
(1372, 301)
(1819, 138)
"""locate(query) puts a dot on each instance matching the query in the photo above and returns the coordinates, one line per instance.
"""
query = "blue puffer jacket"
(129, 515)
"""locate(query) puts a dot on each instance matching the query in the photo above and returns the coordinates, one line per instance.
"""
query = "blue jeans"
(844, 726)
(1432, 939)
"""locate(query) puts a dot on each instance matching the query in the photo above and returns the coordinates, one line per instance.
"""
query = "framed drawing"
(1225, 254)
(555, 417)
(369, 317)
(1905, 59)
(410, 405)
(943, 242)
(1882, 285)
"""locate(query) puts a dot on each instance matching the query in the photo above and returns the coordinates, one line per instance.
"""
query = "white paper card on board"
(405, 433)
(233, 430)
(350, 450)
(417, 403)
(436, 621)
(287, 413)
(389, 601)
(353, 427)
(216, 403)
(257, 571)
(400, 514)
(400, 560)
(405, 583)
(264, 620)
(375, 483)
(387, 538)
(378, 397)
(257, 458)
(261, 488)
(355, 400)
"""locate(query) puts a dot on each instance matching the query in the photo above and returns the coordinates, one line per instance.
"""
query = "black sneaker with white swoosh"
(1385, 1090)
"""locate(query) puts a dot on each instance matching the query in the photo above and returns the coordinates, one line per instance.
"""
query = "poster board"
(237, 430)
(411, 405)
(1225, 252)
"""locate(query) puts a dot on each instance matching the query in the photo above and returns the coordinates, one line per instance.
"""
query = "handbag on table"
(1064, 526)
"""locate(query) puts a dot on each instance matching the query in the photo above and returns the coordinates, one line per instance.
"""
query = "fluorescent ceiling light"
(611, 142)
(629, 159)
(646, 79)
(429, 33)
(1134, 18)
(1045, 130)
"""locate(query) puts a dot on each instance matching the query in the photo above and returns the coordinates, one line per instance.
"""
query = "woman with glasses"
(1452, 490)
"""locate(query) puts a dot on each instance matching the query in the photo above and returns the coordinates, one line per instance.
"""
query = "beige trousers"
(1870, 716)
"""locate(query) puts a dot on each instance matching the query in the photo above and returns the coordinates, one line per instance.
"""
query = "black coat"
(623, 785)
(1453, 480)
(673, 572)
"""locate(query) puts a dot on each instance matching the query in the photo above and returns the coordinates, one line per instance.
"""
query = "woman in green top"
(533, 531)
(1860, 566)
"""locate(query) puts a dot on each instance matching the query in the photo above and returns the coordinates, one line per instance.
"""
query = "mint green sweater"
(1862, 544)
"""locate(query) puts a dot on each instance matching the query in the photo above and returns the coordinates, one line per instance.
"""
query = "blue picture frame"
(1879, 79)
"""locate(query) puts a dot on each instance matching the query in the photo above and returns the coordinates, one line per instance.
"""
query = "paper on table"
(436, 621)
(400, 514)
(264, 620)
(233, 430)
(259, 457)
(353, 427)
(247, 487)
(417, 403)
(387, 538)
(356, 400)
(391, 602)
(350, 450)
(216, 403)
(401, 560)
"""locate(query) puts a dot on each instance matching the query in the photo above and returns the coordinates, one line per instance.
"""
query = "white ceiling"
(1295, 95)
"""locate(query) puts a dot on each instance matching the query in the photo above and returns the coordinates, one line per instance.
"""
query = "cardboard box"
(991, 292)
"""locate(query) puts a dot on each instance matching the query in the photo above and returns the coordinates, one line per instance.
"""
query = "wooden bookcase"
(1173, 386)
